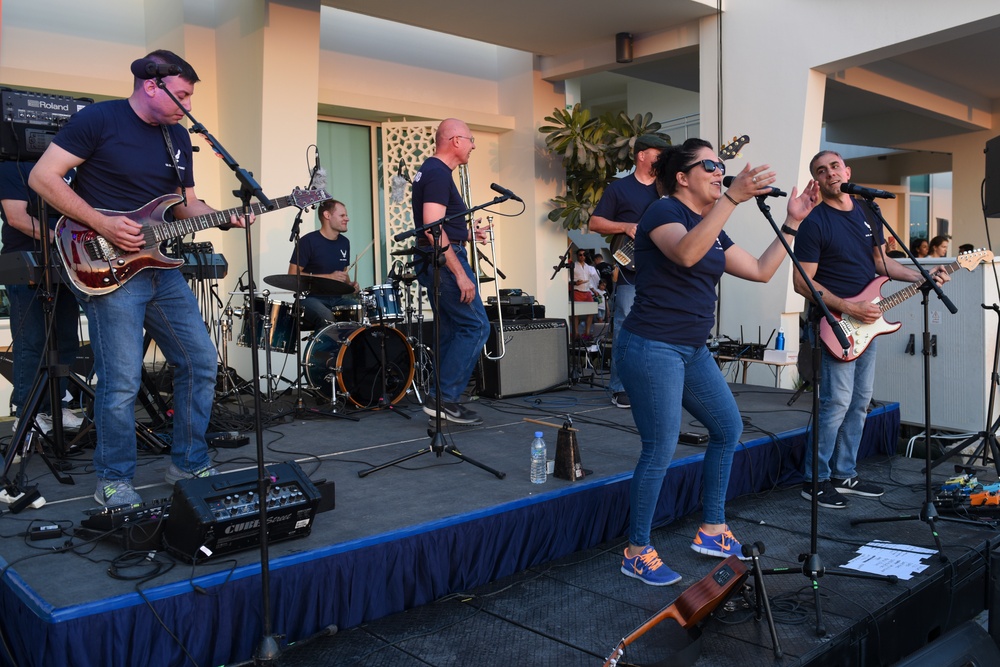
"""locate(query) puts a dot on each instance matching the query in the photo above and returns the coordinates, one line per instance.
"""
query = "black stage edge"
(423, 566)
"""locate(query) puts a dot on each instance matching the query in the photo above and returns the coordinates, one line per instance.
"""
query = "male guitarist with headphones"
(127, 153)
(842, 253)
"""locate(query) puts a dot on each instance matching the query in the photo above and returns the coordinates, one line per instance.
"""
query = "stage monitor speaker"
(991, 189)
(968, 645)
(536, 358)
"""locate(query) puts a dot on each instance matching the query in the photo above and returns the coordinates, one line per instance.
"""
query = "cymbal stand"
(421, 353)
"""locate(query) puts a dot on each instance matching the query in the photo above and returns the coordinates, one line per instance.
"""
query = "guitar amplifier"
(536, 358)
(219, 515)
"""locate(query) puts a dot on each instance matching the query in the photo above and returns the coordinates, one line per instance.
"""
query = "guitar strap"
(173, 160)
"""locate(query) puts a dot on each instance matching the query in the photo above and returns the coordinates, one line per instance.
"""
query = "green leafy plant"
(592, 150)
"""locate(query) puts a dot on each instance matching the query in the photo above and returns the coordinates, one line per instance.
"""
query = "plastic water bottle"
(779, 342)
(538, 459)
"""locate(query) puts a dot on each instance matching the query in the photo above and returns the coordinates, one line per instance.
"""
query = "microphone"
(867, 193)
(505, 192)
(147, 68)
(771, 190)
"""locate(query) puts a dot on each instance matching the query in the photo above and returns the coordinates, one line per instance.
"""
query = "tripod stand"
(437, 444)
(812, 564)
(575, 373)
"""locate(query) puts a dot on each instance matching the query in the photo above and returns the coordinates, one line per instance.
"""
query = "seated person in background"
(325, 253)
(919, 247)
(583, 277)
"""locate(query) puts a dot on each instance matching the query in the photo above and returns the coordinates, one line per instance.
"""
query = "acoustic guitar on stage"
(860, 335)
(693, 605)
(97, 266)
(623, 247)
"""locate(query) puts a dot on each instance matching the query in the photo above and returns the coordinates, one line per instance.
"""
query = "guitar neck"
(902, 295)
(178, 228)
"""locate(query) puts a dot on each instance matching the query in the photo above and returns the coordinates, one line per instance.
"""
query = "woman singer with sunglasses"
(681, 253)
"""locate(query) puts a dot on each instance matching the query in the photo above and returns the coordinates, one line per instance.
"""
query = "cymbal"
(311, 284)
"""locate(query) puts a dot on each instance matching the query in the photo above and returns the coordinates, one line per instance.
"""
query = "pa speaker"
(535, 358)
(991, 189)
(968, 645)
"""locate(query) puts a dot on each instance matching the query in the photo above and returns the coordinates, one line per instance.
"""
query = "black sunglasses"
(709, 165)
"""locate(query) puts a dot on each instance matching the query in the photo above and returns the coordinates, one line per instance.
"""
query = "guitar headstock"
(305, 198)
(732, 149)
(970, 260)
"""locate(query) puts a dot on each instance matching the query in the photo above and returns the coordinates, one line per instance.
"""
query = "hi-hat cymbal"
(311, 284)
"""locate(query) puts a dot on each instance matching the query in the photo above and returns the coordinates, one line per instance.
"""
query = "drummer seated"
(320, 310)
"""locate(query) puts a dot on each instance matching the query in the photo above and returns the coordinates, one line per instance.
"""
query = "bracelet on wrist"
(785, 229)
(726, 195)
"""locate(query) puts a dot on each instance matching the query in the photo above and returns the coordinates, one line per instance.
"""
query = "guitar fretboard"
(155, 234)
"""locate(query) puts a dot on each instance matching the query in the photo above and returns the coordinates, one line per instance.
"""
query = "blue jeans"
(464, 328)
(845, 390)
(661, 378)
(27, 326)
(624, 298)
(161, 302)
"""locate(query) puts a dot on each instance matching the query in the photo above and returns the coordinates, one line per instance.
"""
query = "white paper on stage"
(880, 557)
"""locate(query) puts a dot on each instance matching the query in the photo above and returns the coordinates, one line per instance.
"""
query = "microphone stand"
(437, 444)
(267, 650)
(812, 564)
(928, 512)
(574, 361)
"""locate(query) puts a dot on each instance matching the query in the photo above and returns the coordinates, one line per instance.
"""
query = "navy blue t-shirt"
(318, 254)
(434, 184)
(841, 243)
(674, 304)
(14, 185)
(126, 163)
(625, 200)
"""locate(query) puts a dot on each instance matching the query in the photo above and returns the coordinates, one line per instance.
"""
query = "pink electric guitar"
(860, 335)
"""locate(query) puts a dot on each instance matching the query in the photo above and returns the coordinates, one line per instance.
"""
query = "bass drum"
(350, 355)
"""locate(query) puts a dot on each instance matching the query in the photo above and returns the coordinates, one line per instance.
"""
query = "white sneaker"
(71, 421)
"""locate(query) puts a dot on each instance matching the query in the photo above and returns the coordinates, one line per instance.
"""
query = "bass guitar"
(693, 605)
(860, 335)
(97, 266)
(623, 246)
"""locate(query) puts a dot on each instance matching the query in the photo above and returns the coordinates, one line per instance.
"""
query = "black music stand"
(437, 444)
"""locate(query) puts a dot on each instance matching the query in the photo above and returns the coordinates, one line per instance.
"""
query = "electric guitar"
(693, 605)
(623, 246)
(860, 335)
(96, 266)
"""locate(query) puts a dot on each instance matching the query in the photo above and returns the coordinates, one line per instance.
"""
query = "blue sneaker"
(649, 569)
(722, 545)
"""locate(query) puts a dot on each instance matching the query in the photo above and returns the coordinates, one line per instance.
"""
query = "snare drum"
(350, 356)
(275, 324)
(382, 304)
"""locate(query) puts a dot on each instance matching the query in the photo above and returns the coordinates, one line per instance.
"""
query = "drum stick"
(535, 421)
(357, 258)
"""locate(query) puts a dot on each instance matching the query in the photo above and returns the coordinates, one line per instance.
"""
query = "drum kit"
(360, 357)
